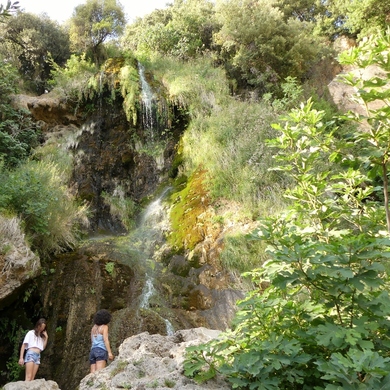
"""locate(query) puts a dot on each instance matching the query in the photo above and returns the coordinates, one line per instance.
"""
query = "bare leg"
(36, 366)
(93, 367)
(31, 370)
(100, 364)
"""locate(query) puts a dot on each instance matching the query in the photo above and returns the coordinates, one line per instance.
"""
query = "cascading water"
(144, 240)
(149, 114)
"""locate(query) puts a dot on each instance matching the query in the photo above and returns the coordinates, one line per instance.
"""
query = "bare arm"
(45, 339)
(107, 342)
(21, 356)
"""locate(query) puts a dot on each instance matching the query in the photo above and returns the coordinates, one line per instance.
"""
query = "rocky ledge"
(153, 361)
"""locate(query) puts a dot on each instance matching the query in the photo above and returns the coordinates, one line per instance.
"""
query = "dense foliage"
(28, 41)
(92, 24)
(261, 45)
(36, 192)
(183, 30)
(319, 317)
(19, 134)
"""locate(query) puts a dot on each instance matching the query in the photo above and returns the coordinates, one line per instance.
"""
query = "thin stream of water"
(148, 102)
(147, 235)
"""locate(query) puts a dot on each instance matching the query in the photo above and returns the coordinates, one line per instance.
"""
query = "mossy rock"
(188, 205)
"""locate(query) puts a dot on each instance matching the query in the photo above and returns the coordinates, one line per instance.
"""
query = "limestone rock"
(49, 108)
(37, 384)
(153, 361)
(344, 96)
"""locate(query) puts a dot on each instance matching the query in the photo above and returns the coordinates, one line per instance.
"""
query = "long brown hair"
(37, 325)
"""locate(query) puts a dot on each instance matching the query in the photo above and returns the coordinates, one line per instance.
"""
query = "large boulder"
(154, 361)
(37, 384)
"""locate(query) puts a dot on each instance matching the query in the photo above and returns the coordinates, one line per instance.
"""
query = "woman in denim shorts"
(34, 343)
(100, 350)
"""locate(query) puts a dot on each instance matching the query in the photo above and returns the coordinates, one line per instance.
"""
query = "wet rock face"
(106, 158)
(104, 274)
(79, 285)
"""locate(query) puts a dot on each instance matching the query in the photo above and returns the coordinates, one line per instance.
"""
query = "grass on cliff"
(37, 193)
(230, 146)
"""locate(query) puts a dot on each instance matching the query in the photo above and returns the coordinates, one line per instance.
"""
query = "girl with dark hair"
(100, 350)
(34, 343)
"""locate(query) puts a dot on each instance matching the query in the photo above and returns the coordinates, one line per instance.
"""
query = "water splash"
(153, 213)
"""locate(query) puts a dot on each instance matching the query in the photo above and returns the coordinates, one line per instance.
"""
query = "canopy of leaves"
(356, 18)
(303, 10)
(28, 41)
(183, 30)
(261, 45)
(93, 23)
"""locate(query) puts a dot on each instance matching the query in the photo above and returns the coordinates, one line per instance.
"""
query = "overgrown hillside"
(255, 137)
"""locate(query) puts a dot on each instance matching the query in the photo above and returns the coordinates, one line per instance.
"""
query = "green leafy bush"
(18, 132)
(71, 82)
(322, 320)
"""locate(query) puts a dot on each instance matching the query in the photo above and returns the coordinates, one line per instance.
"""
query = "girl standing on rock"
(100, 350)
(34, 343)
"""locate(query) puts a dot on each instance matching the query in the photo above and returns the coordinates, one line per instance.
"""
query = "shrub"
(36, 192)
(71, 82)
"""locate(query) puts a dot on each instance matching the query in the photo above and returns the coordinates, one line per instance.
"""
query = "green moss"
(188, 204)
(177, 161)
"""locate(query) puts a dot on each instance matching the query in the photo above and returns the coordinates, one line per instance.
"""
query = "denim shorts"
(32, 356)
(97, 354)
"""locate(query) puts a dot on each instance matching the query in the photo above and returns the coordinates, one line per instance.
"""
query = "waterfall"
(149, 114)
(146, 237)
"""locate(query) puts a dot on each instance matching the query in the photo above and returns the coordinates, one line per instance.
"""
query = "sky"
(62, 10)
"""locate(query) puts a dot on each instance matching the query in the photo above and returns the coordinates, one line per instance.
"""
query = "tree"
(5, 11)
(93, 23)
(355, 18)
(28, 40)
(183, 30)
(260, 46)
(303, 10)
(374, 95)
